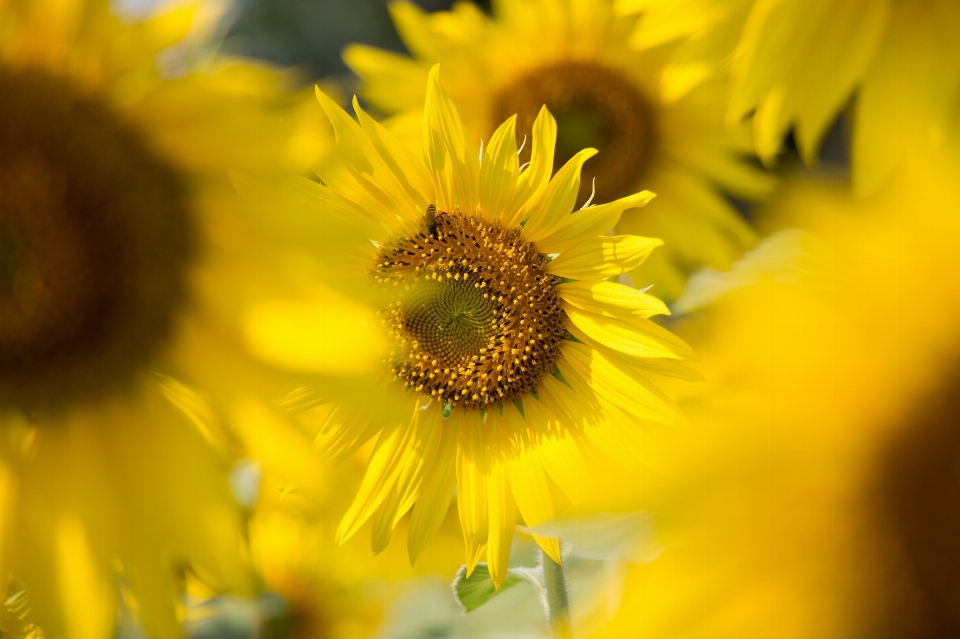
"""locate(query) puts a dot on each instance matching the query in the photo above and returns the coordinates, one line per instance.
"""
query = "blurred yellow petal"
(88, 601)
(360, 157)
(908, 95)
(331, 336)
(392, 79)
(280, 446)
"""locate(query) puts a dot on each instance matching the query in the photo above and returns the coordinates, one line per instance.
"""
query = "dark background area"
(311, 33)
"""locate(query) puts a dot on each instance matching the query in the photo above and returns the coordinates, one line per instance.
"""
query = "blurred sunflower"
(573, 56)
(818, 494)
(799, 64)
(496, 329)
(114, 183)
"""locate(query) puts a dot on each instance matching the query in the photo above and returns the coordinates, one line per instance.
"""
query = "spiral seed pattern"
(477, 320)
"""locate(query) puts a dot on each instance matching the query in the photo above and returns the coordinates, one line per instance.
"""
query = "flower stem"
(558, 607)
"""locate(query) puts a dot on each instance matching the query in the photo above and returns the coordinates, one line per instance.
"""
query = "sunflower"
(499, 332)
(113, 176)
(574, 57)
(817, 492)
(799, 64)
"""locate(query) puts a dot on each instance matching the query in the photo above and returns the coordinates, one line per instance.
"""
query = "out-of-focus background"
(309, 34)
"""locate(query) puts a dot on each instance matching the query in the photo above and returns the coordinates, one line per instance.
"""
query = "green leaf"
(478, 589)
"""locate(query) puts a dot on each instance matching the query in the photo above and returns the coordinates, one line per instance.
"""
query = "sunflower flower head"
(515, 355)
(113, 192)
(575, 57)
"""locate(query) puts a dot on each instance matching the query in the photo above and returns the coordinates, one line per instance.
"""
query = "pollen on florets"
(477, 320)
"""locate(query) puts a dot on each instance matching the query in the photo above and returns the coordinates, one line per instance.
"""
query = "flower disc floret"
(478, 320)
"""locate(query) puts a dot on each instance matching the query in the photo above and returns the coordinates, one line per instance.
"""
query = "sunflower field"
(506, 319)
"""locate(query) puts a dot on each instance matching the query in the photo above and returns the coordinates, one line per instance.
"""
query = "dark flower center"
(594, 106)
(95, 241)
(477, 320)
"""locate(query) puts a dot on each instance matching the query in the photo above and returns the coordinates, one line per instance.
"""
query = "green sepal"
(478, 589)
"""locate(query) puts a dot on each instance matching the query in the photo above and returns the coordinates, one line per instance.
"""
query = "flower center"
(95, 238)
(594, 106)
(477, 320)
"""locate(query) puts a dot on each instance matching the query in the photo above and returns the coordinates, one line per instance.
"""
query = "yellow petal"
(382, 474)
(472, 472)
(499, 171)
(450, 154)
(405, 166)
(909, 89)
(625, 441)
(154, 586)
(413, 25)
(382, 522)
(561, 457)
(503, 507)
(87, 599)
(604, 256)
(661, 366)
(361, 159)
(556, 204)
(391, 81)
(332, 335)
(278, 444)
(436, 491)
(590, 222)
(619, 386)
(630, 334)
(423, 454)
(312, 216)
(342, 433)
(531, 490)
(534, 179)
(612, 299)
(572, 409)
(420, 451)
